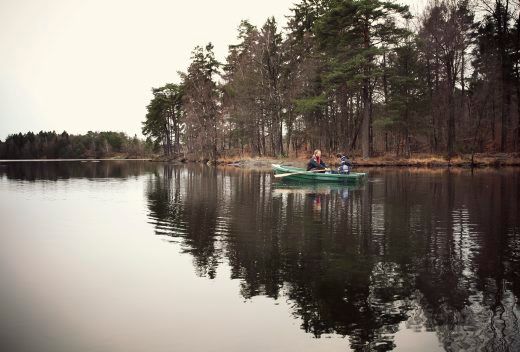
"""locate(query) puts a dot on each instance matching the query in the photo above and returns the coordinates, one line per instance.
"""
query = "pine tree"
(164, 119)
(356, 33)
(201, 103)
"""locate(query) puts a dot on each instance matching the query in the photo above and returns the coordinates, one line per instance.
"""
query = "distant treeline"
(50, 145)
(352, 75)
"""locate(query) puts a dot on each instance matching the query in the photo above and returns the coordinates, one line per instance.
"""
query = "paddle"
(299, 172)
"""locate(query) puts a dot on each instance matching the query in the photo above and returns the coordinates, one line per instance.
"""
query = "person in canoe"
(315, 162)
(345, 165)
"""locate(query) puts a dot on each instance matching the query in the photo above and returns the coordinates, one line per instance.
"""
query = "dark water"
(137, 256)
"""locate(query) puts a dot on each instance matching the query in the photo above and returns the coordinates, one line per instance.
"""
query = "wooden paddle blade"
(285, 175)
(299, 172)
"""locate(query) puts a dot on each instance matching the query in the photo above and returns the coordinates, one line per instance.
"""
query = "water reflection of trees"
(56, 170)
(437, 251)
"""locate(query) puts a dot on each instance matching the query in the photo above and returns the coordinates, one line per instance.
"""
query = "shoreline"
(91, 160)
(419, 161)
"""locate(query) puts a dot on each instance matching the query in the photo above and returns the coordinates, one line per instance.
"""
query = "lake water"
(141, 256)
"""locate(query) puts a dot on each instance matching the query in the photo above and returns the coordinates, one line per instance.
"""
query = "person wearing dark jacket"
(345, 164)
(315, 163)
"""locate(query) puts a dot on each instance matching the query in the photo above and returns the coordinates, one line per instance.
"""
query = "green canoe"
(303, 175)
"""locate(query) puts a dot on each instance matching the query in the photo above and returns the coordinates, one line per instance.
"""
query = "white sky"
(80, 65)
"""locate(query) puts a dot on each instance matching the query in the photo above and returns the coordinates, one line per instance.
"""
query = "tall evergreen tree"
(241, 91)
(164, 119)
(495, 57)
(355, 33)
(405, 97)
(201, 103)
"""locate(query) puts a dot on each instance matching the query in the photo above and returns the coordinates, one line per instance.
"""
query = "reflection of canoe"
(295, 187)
(303, 175)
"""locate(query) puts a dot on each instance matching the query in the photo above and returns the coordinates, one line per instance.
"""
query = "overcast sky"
(80, 65)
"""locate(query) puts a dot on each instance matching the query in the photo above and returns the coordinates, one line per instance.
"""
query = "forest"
(51, 145)
(363, 77)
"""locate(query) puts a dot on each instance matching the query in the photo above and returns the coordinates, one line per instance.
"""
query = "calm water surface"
(139, 256)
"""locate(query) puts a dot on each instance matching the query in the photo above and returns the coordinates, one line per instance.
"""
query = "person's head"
(317, 153)
(342, 156)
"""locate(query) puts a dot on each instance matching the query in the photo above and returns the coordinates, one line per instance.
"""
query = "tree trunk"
(365, 128)
(289, 132)
(506, 97)
(518, 85)
(493, 132)
(433, 140)
(451, 125)
(504, 118)
(262, 135)
(518, 105)
(406, 134)
(451, 107)
(280, 133)
(168, 148)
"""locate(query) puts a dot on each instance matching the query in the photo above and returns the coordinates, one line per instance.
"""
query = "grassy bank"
(423, 160)
(416, 161)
